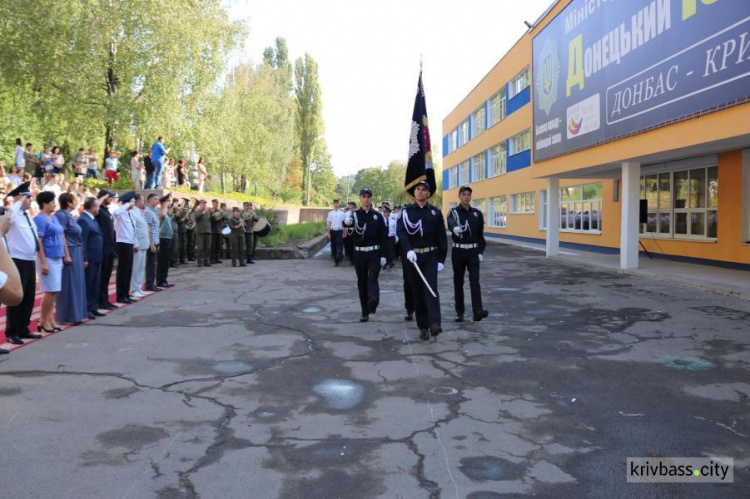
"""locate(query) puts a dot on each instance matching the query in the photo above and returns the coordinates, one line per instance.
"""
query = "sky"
(368, 55)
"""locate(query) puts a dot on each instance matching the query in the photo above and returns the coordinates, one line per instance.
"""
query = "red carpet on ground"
(35, 319)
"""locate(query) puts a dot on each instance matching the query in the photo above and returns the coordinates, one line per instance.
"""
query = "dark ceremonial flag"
(419, 166)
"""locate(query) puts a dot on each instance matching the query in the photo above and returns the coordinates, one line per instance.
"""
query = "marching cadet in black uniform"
(467, 226)
(370, 236)
(421, 232)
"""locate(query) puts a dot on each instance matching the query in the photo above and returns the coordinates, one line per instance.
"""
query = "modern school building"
(615, 126)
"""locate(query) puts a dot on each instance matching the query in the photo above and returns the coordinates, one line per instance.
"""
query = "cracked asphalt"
(260, 382)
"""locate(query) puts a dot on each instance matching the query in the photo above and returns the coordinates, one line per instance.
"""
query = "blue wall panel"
(520, 100)
(446, 150)
(446, 180)
(519, 161)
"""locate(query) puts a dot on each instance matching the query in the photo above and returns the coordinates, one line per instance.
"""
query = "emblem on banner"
(547, 75)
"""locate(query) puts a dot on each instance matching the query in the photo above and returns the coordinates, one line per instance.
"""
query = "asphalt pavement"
(260, 382)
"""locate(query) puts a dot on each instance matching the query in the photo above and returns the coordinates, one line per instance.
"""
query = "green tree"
(309, 122)
(116, 68)
(323, 179)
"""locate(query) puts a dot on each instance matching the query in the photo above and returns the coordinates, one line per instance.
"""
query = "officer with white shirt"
(23, 246)
(125, 227)
(335, 232)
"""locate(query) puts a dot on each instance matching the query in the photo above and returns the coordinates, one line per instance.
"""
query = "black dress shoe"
(108, 306)
(423, 334)
(459, 318)
(153, 289)
(15, 340)
(409, 316)
(364, 318)
(91, 316)
(4, 351)
(435, 330)
(480, 314)
(30, 336)
(96, 313)
(372, 305)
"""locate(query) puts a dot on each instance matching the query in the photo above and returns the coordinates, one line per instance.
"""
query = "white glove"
(481, 258)
(382, 261)
(457, 231)
(348, 221)
(411, 256)
(440, 267)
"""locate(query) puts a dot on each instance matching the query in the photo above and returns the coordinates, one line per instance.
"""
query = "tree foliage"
(125, 68)
(309, 121)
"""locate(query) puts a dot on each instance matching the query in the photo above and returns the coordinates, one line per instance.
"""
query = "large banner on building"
(605, 69)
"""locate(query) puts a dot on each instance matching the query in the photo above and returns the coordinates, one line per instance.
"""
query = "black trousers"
(426, 307)
(216, 240)
(163, 260)
(124, 269)
(190, 243)
(151, 267)
(93, 276)
(337, 245)
(390, 249)
(367, 266)
(108, 263)
(19, 315)
(227, 247)
(408, 295)
(466, 259)
(349, 248)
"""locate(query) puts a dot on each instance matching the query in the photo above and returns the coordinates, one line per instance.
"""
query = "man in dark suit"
(93, 245)
(107, 225)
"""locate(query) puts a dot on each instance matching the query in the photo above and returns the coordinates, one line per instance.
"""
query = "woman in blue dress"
(71, 300)
(49, 259)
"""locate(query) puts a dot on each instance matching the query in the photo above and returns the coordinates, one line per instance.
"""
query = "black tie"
(36, 240)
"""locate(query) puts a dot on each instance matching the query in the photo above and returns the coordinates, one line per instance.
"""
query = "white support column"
(553, 217)
(629, 232)
(745, 195)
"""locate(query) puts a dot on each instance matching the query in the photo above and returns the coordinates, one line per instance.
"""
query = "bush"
(95, 183)
(287, 235)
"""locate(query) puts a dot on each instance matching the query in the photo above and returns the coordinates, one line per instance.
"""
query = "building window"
(454, 140)
(477, 168)
(682, 203)
(543, 210)
(519, 83)
(481, 205)
(453, 177)
(497, 160)
(522, 203)
(464, 174)
(581, 208)
(478, 119)
(497, 108)
(497, 212)
(463, 133)
(519, 143)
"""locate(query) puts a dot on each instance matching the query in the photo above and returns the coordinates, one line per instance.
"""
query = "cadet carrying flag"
(419, 166)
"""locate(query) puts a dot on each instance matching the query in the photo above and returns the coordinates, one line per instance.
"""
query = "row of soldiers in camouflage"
(199, 233)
